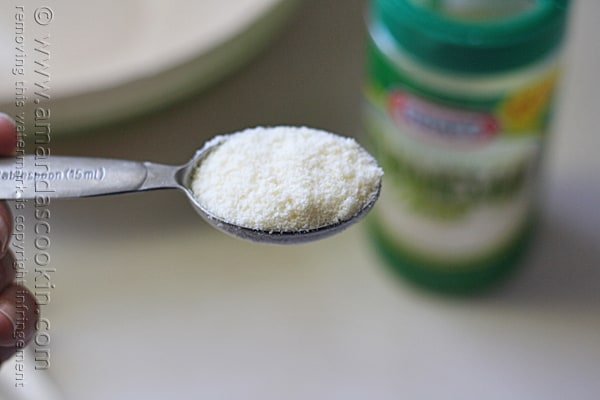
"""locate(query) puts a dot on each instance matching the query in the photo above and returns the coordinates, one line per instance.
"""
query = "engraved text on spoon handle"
(62, 177)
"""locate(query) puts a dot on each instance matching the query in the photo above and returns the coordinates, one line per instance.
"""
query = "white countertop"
(151, 303)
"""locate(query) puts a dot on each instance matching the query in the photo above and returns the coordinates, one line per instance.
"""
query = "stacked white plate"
(103, 61)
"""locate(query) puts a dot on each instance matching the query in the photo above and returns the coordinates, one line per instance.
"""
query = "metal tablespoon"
(71, 177)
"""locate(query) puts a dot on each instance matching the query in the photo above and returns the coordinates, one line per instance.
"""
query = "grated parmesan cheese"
(285, 179)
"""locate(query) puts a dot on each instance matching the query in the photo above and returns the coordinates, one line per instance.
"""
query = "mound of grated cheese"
(285, 179)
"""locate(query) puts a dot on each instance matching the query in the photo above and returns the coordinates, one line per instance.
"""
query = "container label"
(460, 172)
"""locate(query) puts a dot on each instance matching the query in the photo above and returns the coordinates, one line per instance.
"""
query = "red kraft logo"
(440, 123)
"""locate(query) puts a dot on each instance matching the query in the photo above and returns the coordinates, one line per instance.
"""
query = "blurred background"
(150, 302)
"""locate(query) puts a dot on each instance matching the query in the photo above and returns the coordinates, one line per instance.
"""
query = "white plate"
(112, 59)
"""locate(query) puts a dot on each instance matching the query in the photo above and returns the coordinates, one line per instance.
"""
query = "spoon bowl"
(184, 178)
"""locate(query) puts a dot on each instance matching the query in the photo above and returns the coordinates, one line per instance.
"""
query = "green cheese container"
(459, 97)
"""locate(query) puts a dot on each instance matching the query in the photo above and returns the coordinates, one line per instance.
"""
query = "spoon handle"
(27, 177)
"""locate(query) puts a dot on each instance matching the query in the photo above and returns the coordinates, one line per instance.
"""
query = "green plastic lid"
(475, 36)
